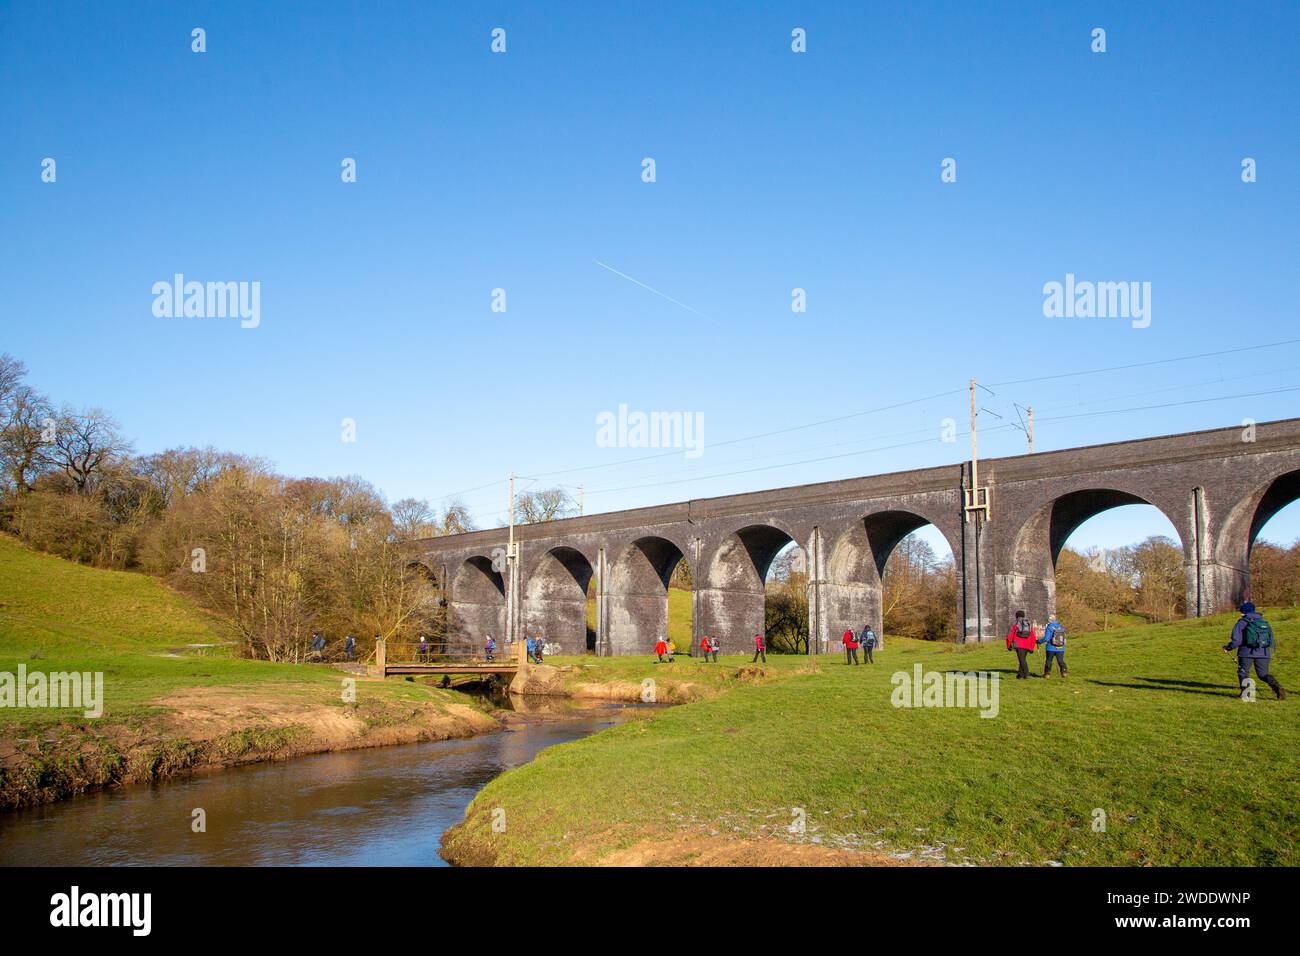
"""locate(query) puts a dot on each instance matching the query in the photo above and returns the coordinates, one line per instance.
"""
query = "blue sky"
(774, 170)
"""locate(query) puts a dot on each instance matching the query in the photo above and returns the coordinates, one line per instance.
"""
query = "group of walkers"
(536, 646)
(425, 652)
(1023, 638)
(318, 645)
(1252, 639)
(866, 640)
(666, 648)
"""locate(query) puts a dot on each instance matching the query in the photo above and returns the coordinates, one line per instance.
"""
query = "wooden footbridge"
(409, 660)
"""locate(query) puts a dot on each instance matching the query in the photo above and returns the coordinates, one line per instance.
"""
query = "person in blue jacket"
(1252, 639)
(868, 641)
(1054, 638)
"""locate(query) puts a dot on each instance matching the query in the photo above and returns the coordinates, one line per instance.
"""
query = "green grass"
(1147, 729)
(56, 615)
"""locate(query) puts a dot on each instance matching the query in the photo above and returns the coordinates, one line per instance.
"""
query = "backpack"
(870, 638)
(1257, 635)
(1023, 630)
(1058, 637)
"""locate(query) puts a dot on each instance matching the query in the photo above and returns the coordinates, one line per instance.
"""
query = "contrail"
(651, 289)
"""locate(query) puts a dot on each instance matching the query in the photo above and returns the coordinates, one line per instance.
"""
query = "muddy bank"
(544, 680)
(206, 729)
(460, 848)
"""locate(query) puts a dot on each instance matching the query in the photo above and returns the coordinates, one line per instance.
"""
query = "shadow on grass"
(1181, 686)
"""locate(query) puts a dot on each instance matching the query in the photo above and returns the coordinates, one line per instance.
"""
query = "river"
(386, 806)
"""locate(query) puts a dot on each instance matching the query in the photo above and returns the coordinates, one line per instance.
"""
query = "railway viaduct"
(1217, 488)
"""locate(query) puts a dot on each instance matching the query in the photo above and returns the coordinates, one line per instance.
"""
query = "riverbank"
(1145, 755)
(378, 808)
(175, 699)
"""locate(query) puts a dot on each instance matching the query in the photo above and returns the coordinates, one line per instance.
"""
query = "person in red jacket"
(1022, 638)
(760, 649)
(850, 646)
(661, 648)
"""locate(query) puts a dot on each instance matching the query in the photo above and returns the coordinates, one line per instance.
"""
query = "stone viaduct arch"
(478, 601)
(856, 564)
(1218, 488)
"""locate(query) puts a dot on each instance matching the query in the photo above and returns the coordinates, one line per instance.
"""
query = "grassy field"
(162, 696)
(1147, 729)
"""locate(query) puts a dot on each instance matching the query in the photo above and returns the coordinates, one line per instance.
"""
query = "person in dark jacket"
(1247, 655)
(868, 641)
(760, 648)
(714, 646)
(350, 647)
(1022, 638)
(850, 646)
(424, 649)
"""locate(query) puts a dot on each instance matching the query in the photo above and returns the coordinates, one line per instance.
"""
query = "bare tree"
(413, 518)
(83, 444)
(456, 518)
(533, 507)
(179, 472)
(12, 373)
(25, 417)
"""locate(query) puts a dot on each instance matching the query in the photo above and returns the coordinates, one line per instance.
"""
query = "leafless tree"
(24, 417)
(456, 518)
(83, 444)
(413, 518)
(12, 373)
(547, 504)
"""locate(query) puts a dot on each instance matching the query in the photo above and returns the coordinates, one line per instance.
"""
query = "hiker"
(850, 647)
(317, 645)
(672, 649)
(491, 648)
(760, 649)
(532, 649)
(704, 648)
(1252, 639)
(349, 647)
(424, 650)
(868, 642)
(539, 648)
(1054, 638)
(1021, 638)
(715, 645)
(661, 648)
